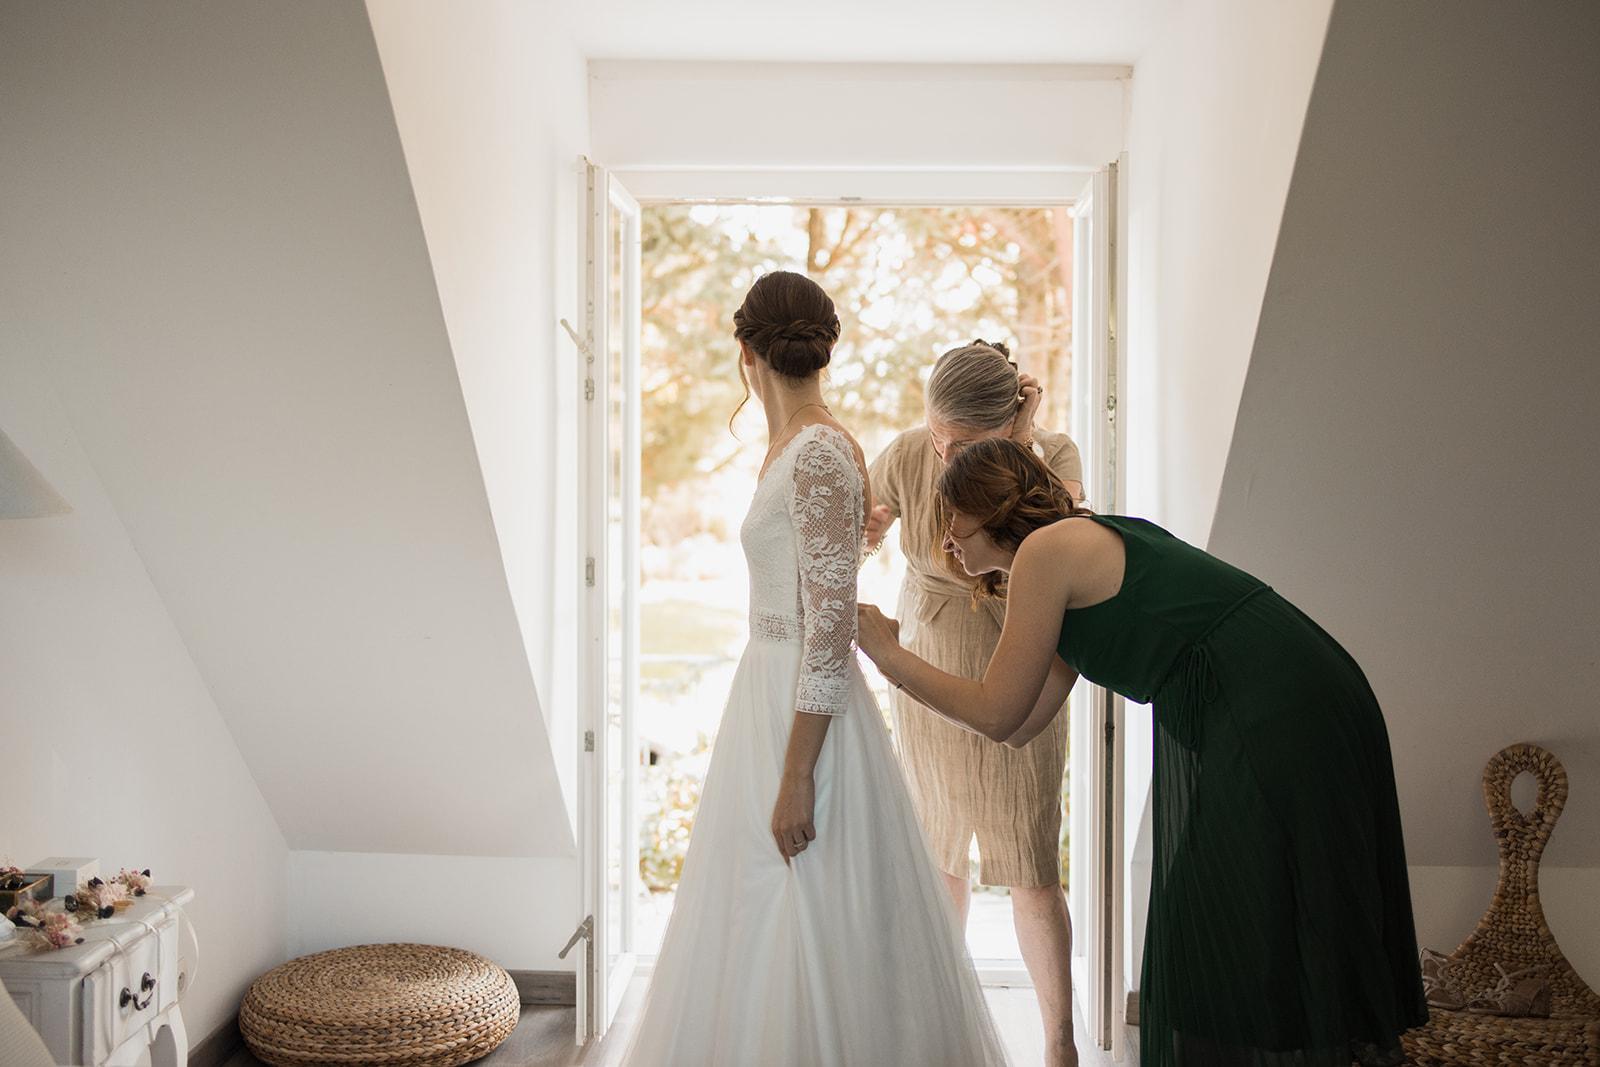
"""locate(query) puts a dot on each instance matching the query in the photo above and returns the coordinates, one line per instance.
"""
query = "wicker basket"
(1513, 932)
(401, 1005)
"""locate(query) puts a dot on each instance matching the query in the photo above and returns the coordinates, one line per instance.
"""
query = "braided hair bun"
(789, 322)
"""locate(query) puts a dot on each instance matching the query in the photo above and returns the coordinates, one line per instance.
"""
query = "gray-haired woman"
(965, 785)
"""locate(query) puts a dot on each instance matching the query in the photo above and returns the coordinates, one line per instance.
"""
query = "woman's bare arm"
(1001, 703)
(1057, 685)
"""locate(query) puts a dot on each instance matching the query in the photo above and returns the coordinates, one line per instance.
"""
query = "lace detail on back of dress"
(802, 540)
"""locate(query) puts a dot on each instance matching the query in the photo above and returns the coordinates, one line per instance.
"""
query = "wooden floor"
(543, 1037)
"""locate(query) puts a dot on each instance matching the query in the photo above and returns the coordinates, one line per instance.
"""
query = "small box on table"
(67, 872)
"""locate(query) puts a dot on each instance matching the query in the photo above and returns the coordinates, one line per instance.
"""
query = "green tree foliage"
(909, 283)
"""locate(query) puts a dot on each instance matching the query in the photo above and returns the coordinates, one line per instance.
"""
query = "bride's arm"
(1013, 687)
(793, 827)
(825, 508)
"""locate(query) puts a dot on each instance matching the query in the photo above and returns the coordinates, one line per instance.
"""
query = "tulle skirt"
(848, 956)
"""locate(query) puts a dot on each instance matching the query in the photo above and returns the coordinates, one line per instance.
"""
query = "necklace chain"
(777, 438)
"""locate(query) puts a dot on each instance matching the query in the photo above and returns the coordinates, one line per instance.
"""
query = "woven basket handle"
(1522, 836)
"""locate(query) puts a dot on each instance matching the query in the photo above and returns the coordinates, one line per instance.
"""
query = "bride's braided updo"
(1008, 489)
(789, 322)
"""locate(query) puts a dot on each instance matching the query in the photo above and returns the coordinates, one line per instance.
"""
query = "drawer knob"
(147, 986)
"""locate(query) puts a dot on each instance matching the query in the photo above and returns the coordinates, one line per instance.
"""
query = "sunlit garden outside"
(908, 283)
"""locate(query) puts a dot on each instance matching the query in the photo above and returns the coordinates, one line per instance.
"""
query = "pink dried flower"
(59, 930)
(55, 929)
(136, 882)
(100, 897)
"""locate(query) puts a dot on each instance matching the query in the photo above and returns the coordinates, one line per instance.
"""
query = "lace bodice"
(802, 541)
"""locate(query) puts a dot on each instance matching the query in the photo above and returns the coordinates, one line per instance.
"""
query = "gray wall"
(1413, 461)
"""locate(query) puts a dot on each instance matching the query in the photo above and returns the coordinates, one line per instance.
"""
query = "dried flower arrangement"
(53, 929)
(95, 899)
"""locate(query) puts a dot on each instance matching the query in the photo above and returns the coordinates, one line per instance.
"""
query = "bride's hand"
(792, 827)
(876, 633)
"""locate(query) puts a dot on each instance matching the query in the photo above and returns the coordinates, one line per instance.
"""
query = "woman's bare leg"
(1044, 932)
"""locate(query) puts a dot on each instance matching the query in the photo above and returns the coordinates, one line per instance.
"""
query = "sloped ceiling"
(1414, 456)
(212, 248)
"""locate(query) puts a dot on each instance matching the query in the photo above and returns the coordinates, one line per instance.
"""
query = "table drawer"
(130, 990)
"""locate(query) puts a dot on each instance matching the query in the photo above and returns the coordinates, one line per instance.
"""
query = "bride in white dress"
(811, 926)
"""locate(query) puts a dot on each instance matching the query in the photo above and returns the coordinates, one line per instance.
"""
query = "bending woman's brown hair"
(1009, 490)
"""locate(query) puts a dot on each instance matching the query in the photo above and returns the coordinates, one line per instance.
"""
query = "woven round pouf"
(401, 1005)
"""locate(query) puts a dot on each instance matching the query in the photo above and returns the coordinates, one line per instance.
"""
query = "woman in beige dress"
(963, 784)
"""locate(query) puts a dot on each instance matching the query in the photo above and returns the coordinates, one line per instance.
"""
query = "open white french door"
(609, 451)
(608, 500)
(1096, 867)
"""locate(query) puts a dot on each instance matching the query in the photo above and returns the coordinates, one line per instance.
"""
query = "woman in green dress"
(1279, 931)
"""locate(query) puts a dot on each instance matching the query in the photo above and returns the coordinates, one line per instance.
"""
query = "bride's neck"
(783, 401)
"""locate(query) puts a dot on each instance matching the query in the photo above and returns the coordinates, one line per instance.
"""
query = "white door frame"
(1098, 866)
(610, 566)
(1097, 367)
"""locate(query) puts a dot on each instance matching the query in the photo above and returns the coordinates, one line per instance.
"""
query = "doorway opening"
(664, 486)
(909, 283)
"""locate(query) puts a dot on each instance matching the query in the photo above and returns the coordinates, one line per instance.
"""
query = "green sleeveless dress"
(1279, 931)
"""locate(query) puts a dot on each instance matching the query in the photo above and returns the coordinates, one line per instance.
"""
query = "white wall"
(791, 118)
(1413, 461)
(213, 249)
(490, 101)
(1215, 114)
(112, 743)
(505, 909)
(884, 31)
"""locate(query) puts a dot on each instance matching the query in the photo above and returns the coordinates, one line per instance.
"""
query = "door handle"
(584, 932)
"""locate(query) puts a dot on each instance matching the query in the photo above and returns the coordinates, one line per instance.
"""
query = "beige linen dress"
(963, 783)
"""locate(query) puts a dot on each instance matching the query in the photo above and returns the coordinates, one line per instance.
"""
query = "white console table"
(113, 1000)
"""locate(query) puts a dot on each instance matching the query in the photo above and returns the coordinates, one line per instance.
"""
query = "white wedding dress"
(849, 956)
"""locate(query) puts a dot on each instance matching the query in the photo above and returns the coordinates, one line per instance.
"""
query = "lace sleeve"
(826, 509)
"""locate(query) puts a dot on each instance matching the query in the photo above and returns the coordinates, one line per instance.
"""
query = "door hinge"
(588, 388)
(588, 571)
(588, 740)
